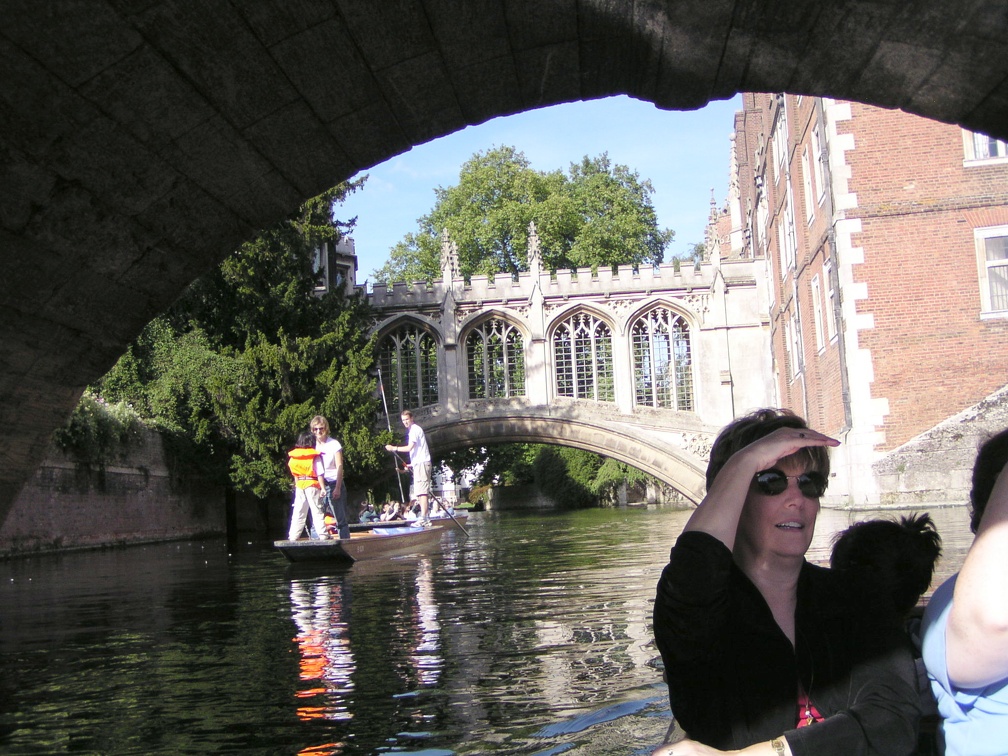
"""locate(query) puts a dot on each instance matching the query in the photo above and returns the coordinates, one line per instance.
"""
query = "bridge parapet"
(625, 279)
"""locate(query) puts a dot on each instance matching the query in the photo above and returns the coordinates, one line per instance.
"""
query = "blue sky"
(684, 153)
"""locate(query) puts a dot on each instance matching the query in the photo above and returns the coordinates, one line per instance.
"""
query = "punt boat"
(374, 543)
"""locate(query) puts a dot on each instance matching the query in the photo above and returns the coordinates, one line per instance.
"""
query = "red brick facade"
(868, 221)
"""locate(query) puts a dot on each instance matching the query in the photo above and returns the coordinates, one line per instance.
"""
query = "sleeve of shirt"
(691, 605)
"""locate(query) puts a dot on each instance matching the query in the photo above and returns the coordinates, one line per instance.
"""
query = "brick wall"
(932, 353)
(895, 230)
(137, 499)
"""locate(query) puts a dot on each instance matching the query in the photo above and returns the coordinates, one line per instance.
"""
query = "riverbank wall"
(136, 498)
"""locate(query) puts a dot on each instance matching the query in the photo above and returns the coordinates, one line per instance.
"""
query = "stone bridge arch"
(140, 143)
(657, 452)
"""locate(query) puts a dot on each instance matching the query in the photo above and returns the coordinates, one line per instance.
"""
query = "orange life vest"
(302, 467)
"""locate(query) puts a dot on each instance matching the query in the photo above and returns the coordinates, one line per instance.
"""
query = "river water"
(530, 636)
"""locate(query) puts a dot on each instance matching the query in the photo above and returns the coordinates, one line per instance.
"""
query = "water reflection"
(533, 635)
(427, 658)
(321, 610)
(329, 675)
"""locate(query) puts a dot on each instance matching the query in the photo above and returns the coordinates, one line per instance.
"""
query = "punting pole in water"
(388, 420)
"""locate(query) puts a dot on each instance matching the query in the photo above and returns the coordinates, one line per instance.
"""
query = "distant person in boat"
(411, 512)
(391, 511)
(420, 461)
(966, 622)
(765, 653)
(304, 465)
(331, 453)
(367, 512)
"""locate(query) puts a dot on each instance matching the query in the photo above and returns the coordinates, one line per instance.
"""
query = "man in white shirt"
(420, 461)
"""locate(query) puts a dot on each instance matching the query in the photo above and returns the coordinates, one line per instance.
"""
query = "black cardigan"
(732, 673)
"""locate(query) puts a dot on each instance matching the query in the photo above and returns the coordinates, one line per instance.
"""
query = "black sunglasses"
(773, 482)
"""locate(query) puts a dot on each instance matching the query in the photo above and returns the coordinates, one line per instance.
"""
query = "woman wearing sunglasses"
(765, 653)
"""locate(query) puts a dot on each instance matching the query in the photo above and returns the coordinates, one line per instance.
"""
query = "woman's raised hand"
(783, 442)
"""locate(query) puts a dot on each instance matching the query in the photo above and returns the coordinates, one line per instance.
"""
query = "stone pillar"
(536, 374)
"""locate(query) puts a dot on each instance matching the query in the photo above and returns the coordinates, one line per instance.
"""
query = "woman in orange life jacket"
(303, 462)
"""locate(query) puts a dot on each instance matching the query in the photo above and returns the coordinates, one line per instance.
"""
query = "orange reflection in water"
(326, 664)
(321, 613)
(324, 749)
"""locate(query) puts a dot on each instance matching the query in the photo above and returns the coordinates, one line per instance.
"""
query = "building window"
(780, 142)
(495, 356)
(782, 247)
(796, 350)
(762, 219)
(817, 314)
(817, 165)
(831, 327)
(663, 369)
(807, 186)
(771, 284)
(320, 267)
(788, 239)
(409, 361)
(788, 355)
(992, 264)
(982, 148)
(582, 354)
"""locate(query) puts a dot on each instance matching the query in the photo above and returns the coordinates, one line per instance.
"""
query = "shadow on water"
(532, 636)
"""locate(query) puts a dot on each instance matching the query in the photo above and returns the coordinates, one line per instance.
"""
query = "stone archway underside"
(641, 447)
(140, 142)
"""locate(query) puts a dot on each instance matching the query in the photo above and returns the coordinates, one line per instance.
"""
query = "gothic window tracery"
(408, 357)
(495, 360)
(663, 367)
(583, 358)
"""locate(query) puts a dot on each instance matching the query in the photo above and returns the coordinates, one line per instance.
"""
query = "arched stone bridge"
(640, 365)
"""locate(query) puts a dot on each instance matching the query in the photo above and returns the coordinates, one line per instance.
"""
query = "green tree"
(572, 477)
(239, 365)
(566, 474)
(598, 214)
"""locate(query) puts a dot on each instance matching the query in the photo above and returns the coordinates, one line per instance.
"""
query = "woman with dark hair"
(303, 463)
(897, 556)
(765, 653)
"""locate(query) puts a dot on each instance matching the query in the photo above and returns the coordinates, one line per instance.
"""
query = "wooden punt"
(376, 543)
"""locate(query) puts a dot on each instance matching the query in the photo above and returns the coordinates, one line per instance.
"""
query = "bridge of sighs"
(642, 365)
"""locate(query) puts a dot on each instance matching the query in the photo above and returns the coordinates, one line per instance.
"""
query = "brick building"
(885, 237)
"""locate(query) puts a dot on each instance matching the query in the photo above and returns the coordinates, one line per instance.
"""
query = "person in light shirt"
(965, 628)
(420, 461)
(331, 455)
